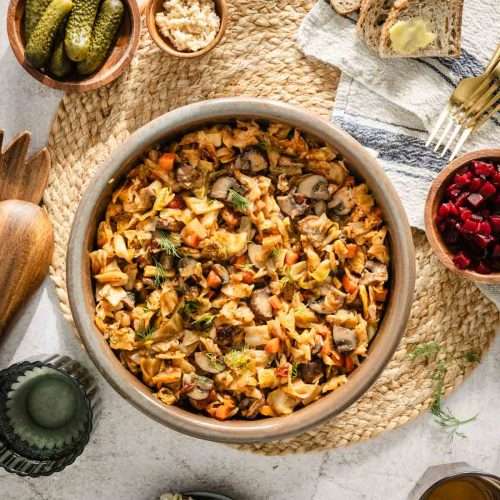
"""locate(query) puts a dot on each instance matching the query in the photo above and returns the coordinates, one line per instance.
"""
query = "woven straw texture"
(259, 57)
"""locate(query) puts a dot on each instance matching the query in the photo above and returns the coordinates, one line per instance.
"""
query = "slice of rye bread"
(443, 17)
(372, 16)
(344, 7)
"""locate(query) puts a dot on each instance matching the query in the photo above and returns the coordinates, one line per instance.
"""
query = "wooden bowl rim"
(80, 286)
(434, 196)
(152, 8)
(93, 81)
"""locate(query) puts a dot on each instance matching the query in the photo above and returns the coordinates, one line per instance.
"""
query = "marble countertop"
(133, 458)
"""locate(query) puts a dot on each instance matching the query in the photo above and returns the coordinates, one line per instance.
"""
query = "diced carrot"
(213, 280)
(223, 412)
(166, 161)
(275, 302)
(273, 346)
(379, 295)
(282, 371)
(349, 285)
(177, 202)
(248, 277)
(192, 240)
(291, 258)
(240, 260)
(351, 250)
(348, 364)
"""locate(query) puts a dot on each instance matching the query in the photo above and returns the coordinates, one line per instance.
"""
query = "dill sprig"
(160, 274)
(287, 277)
(238, 200)
(168, 245)
(237, 359)
(295, 370)
(426, 351)
(145, 334)
(204, 322)
(442, 416)
(189, 307)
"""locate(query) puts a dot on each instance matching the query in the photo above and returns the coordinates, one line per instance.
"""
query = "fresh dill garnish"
(426, 351)
(238, 200)
(189, 307)
(442, 416)
(214, 360)
(237, 359)
(276, 253)
(146, 309)
(160, 274)
(204, 322)
(145, 334)
(287, 278)
(472, 357)
(295, 370)
(168, 244)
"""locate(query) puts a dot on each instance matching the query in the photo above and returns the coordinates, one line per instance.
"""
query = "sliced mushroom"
(187, 267)
(256, 159)
(221, 272)
(188, 176)
(209, 362)
(259, 302)
(314, 187)
(345, 339)
(289, 206)
(320, 207)
(201, 386)
(342, 201)
(167, 261)
(169, 224)
(331, 302)
(310, 372)
(375, 272)
(250, 407)
(220, 188)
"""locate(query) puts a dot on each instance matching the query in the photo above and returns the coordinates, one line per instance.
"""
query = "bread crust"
(372, 16)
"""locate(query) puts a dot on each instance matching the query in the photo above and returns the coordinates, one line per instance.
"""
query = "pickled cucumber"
(39, 46)
(33, 12)
(79, 29)
(106, 26)
(60, 64)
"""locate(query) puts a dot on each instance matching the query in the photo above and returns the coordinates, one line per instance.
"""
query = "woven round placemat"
(259, 57)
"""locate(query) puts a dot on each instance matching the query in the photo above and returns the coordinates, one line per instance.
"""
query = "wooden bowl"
(118, 60)
(435, 196)
(156, 6)
(167, 127)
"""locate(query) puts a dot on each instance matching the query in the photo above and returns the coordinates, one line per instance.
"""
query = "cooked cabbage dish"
(241, 271)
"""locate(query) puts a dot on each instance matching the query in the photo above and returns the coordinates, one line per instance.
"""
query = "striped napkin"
(389, 105)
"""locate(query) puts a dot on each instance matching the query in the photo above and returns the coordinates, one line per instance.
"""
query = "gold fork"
(472, 103)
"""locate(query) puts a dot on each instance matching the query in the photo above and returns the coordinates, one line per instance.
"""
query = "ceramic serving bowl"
(164, 44)
(117, 62)
(434, 197)
(80, 285)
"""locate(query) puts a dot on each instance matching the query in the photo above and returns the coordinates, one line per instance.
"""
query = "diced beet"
(441, 225)
(475, 199)
(462, 198)
(476, 218)
(470, 226)
(463, 179)
(485, 212)
(475, 184)
(483, 168)
(482, 241)
(495, 223)
(461, 260)
(485, 228)
(487, 190)
(443, 210)
(496, 251)
(464, 213)
(496, 178)
(451, 235)
(483, 268)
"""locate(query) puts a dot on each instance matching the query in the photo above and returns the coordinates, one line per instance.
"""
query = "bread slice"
(442, 17)
(372, 17)
(344, 7)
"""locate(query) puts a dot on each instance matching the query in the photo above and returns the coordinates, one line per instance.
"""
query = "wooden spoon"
(26, 233)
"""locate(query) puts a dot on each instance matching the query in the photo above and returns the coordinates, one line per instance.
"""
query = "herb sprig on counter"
(442, 416)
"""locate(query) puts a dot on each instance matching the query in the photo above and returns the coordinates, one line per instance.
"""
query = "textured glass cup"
(47, 411)
(456, 481)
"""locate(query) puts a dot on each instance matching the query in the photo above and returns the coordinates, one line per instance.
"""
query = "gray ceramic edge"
(267, 429)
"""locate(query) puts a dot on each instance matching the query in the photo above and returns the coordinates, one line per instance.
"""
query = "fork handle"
(494, 60)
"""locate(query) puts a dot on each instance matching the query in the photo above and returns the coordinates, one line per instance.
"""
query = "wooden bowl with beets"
(462, 216)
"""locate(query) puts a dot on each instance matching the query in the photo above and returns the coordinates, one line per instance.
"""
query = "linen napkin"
(389, 105)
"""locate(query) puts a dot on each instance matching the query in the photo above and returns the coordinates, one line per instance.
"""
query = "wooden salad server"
(26, 235)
